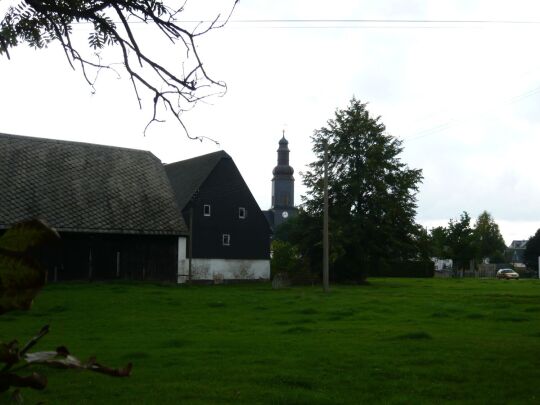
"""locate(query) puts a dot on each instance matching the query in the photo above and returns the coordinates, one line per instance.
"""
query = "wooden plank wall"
(115, 257)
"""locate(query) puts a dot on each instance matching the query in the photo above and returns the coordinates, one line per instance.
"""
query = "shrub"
(288, 263)
(402, 269)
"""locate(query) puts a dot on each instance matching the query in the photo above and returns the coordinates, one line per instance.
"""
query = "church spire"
(283, 153)
(283, 180)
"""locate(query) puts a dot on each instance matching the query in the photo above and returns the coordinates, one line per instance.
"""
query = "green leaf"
(22, 273)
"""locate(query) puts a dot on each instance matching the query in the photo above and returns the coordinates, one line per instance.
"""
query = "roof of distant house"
(187, 176)
(518, 244)
(84, 187)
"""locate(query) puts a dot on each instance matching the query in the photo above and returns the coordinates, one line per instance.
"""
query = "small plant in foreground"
(22, 275)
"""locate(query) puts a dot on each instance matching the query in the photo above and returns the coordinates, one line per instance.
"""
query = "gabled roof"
(188, 175)
(83, 187)
(518, 244)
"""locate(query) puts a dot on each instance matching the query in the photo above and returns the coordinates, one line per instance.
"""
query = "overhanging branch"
(38, 22)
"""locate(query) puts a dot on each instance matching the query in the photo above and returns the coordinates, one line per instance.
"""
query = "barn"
(230, 236)
(113, 207)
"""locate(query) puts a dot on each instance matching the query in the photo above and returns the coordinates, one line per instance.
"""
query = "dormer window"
(241, 212)
(226, 239)
(206, 210)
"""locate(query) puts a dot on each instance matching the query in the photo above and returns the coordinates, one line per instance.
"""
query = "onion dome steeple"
(283, 180)
(283, 168)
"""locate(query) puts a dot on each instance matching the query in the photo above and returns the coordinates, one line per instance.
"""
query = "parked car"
(507, 274)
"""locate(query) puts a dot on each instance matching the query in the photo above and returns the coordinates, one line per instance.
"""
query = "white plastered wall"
(218, 270)
(182, 260)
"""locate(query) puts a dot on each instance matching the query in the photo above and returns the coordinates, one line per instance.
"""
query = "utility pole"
(190, 241)
(326, 283)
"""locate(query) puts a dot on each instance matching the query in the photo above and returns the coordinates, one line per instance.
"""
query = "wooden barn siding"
(226, 191)
(152, 258)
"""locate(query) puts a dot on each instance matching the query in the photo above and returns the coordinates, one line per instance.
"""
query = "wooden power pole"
(326, 283)
(190, 242)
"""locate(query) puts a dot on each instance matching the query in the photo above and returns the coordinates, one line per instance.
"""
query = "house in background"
(230, 237)
(515, 253)
(442, 264)
(113, 207)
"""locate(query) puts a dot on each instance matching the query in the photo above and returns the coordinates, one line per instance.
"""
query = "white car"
(507, 274)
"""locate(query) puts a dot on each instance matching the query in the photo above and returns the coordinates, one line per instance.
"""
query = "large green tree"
(439, 242)
(372, 193)
(488, 239)
(114, 23)
(532, 251)
(460, 241)
(463, 243)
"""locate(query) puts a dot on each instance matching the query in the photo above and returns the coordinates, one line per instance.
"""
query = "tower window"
(206, 210)
(286, 199)
(226, 239)
(241, 212)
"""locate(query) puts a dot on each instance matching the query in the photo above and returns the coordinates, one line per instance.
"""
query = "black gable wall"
(226, 191)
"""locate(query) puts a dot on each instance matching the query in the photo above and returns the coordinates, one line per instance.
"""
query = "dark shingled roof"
(187, 176)
(82, 187)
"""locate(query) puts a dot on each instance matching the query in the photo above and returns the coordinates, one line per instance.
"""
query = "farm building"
(230, 237)
(113, 207)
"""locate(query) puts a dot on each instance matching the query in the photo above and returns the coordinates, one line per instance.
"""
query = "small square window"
(242, 213)
(206, 210)
(226, 239)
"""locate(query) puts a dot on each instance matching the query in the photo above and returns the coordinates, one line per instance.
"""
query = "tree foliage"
(460, 240)
(439, 242)
(532, 251)
(488, 239)
(303, 233)
(463, 243)
(111, 24)
(22, 275)
(285, 258)
(372, 193)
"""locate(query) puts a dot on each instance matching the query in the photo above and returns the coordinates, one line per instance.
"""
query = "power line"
(354, 27)
(449, 124)
(362, 21)
(351, 23)
(367, 23)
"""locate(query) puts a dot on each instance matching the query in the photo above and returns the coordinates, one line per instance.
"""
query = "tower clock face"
(284, 214)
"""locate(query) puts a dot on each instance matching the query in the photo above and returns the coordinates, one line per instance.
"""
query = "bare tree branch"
(38, 22)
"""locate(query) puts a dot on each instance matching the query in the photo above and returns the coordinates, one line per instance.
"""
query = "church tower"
(282, 186)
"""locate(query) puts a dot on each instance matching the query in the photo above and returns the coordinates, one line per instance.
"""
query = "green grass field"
(393, 341)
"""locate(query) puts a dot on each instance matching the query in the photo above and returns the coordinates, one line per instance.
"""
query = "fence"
(464, 274)
(484, 271)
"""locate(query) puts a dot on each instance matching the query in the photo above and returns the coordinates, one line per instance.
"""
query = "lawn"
(393, 341)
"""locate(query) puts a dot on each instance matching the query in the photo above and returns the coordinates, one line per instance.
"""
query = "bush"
(402, 269)
(288, 263)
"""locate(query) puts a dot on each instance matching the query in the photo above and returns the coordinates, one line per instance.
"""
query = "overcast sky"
(464, 97)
